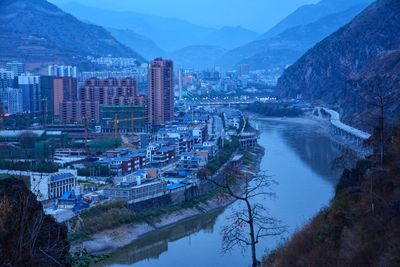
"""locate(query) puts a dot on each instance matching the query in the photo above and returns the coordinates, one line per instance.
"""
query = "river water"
(298, 156)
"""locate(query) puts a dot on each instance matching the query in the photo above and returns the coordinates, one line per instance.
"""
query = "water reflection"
(311, 145)
(299, 158)
(153, 245)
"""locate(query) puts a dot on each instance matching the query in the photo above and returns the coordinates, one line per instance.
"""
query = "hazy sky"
(258, 15)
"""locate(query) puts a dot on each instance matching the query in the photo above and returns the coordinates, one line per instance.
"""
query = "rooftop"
(166, 149)
(61, 176)
(16, 133)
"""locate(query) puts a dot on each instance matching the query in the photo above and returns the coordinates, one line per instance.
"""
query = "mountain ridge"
(170, 34)
(198, 57)
(323, 72)
(311, 13)
(39, 32)
(143, 45)
(285, 48)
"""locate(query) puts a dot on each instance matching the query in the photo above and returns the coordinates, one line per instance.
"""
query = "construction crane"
(117, 122)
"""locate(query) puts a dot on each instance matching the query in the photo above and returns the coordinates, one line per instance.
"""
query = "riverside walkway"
(353, 136)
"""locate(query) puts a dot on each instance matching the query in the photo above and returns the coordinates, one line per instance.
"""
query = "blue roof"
(183, 173)
(121, 159)
(66, 196)
(139, 172)
(61, 176)
(188, 154)
(175, 186)
(104, 160)
(166, 149)
(137, 154)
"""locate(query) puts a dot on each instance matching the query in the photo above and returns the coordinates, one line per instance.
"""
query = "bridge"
(232, 102)
(352, 135)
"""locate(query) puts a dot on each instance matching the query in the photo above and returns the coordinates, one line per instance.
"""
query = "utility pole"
(116, 129)
(85, 124)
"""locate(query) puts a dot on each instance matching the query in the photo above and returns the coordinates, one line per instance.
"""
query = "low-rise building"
(191, 161)
(137, 193)
(123, 161)
(200, 133)
(163, 155)
(53, 185)
(248, 139)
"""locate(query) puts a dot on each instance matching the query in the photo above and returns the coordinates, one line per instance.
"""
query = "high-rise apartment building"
(10, 97)
(31, 94)
(109, 91)
(62, 71)
(160, 92)
(46, 88)
(16, 67)
(96, 93)
(11, 100)
(64, 89)
(77, 111)
(6, 78)
(243, 69)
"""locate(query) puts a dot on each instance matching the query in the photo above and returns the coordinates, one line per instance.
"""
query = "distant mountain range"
(198, 57)
(347, 63)
(38, 33)
(311, 13)
(291, 38)
(170, 34)
(229, 37)
(143, 45)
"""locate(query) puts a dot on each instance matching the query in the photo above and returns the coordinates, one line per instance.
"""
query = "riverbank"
(119, 237)
(110, 240)
(302, 120)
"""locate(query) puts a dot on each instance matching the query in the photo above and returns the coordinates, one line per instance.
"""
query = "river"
(297, 155)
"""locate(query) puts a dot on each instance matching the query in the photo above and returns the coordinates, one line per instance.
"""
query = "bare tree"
(251, 222)
(379, 96)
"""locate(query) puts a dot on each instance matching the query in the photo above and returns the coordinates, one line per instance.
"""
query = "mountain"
(143, 45)
(38, 32)
(383, 71)
(197, 57)
(286, 47)
(168, 33)
(230, 37)
(311, 13)
(323, 73)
